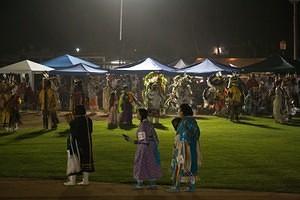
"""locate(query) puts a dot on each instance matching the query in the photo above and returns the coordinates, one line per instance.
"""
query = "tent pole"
(31, 80)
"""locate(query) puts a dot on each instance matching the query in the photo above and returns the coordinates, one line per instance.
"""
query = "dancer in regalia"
(181, 92)
(279, 113)
(13, 108)
(113, 111)
(80, 147)
(154, 95)
(78, 96)
(48, 103)
(93, 85)
(186, 155)
(235, 97)
(4, 110)
(155, 102)
(126, 101)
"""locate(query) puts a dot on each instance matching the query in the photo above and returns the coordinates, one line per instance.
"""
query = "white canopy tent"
(180, 64)
(26, 67)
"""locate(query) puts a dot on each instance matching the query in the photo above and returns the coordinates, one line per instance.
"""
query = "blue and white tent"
(145, 66)
(67, 61)
(207, 67)
(78, 70)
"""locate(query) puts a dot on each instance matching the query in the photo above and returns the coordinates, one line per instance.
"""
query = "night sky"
(163, 29)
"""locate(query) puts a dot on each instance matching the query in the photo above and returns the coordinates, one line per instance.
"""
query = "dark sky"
(164, 29)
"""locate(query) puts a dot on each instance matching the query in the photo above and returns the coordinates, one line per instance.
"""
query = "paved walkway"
(21, 189)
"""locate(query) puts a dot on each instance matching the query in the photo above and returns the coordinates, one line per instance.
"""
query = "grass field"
(256, 154)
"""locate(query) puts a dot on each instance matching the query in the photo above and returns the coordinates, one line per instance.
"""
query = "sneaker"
(83, 183)
(69, 183)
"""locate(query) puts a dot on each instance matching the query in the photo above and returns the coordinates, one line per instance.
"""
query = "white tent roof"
(180, 64)
(148, 64)
(25, 67)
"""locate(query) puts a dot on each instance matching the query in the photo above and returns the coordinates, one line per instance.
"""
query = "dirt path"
(31, 189)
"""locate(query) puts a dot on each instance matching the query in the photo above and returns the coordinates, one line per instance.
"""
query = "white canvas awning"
(26, 67)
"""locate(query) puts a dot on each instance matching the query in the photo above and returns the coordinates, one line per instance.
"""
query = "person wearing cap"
(80, 144)
(187, 161)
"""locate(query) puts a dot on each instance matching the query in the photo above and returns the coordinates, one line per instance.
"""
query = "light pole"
(294, 2)
(121, 31)
(121, 20)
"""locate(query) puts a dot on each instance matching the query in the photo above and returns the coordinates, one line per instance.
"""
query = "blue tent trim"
(67, 61)
(78, 70)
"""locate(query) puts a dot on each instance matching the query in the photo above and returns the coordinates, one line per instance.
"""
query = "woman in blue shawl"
(186, 155)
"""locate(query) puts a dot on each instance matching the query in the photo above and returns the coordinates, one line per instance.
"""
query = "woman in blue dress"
(186, 155)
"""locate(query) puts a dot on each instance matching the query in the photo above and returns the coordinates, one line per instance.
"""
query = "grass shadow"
(63, 133)
(257, 125)
(31, 135)
(296, 121)
(128, 127)
(292, 123)
(160, 126)
(201, 117)
(248, 118)
(109, 127)
(264, 116)
(3, 134)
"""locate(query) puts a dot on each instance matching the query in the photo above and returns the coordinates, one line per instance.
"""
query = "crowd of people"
(229, 96)
(221, 95)
(265, 95)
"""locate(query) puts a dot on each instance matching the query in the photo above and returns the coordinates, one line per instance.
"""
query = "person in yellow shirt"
(48, 103)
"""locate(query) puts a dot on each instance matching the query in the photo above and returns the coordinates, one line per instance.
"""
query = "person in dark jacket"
(80, 145)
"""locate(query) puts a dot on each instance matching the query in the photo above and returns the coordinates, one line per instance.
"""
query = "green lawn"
(255, 155)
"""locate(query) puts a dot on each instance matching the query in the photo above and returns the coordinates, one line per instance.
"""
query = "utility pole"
(295, 31)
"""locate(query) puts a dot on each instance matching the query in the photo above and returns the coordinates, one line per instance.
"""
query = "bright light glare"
(116, 62)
